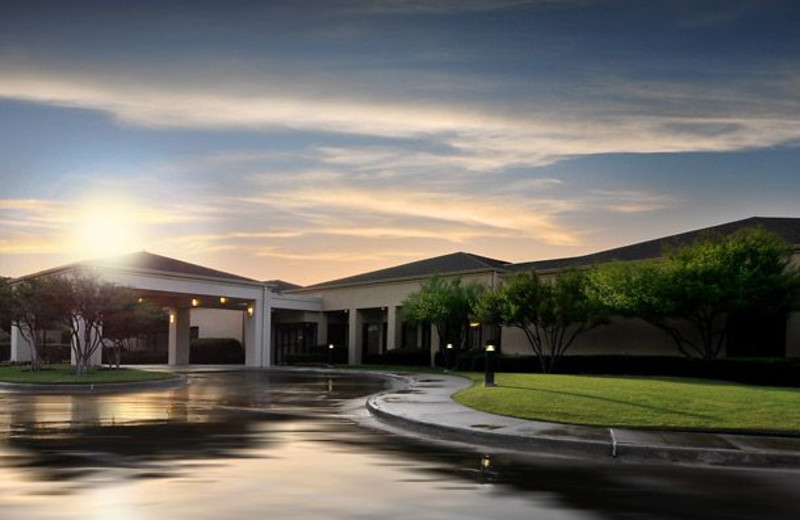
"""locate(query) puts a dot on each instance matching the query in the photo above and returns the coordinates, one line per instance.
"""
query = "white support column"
(392, 341)
(322, 329)
(266, 332)
(355, 340)
(254, 341)
(179, 336)
(20, 347)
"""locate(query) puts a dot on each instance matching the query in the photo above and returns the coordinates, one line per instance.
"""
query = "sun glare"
(104, 228)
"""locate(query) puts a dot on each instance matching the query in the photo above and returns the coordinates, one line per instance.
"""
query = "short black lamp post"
(491, 361)
(448, 357)
(330, 355)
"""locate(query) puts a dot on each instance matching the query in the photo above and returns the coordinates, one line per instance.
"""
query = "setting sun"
(104, 228)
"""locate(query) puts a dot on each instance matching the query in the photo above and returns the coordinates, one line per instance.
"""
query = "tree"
(86, 302)
(127, 324)
(696, 289)
(34, 310)
(551, 313)
(447, 304)
(6, 304)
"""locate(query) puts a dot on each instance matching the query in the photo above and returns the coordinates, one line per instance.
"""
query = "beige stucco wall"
(388, 294)
(218, 323)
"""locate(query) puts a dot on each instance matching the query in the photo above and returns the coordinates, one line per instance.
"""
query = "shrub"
(57, 353)
(216, 351)
(142, 357)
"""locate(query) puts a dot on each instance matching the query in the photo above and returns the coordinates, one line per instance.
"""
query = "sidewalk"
(424, 405)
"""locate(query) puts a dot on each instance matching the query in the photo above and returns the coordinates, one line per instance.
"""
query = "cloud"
(468, 210)
(630, 201)
(33, 226)
(342, 256)
(471, 137)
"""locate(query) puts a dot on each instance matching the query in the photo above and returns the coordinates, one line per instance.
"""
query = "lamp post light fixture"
(491, 360)
(448, 357)
(330, 355)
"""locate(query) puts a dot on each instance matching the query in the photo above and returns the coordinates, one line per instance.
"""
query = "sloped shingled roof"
(447, 264)
(787, 228)
(144, 261)
(455, 263)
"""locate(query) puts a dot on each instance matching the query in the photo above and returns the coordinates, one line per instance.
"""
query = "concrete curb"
(91, 388)
(606, 445)
(488, 438)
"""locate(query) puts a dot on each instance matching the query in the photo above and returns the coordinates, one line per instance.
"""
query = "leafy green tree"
(693, 292)
(552, 313)
(85, 302)
(447, 304)
(34, 309)
(124, 326)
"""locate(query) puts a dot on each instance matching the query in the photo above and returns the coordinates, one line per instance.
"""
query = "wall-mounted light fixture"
(223, 300)
(250, 311)
(171, 317)
(195, 302)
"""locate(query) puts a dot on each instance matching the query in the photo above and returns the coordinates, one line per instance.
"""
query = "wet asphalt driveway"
(278, 445)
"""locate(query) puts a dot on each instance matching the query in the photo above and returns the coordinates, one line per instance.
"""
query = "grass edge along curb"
(668, 404)
(56, 375)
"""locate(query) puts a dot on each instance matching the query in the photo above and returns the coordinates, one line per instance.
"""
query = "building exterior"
(369, 301)
(362, 314)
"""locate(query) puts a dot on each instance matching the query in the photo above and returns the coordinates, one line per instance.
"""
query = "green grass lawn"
(61, 374)
(638, 402)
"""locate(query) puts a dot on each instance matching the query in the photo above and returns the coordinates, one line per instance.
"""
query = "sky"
(309, 140)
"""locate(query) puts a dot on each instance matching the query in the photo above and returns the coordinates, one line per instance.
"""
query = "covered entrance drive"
(179, 287)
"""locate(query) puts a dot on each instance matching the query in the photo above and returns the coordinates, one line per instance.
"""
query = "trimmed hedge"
(216, 351)
(140, 357)
(53, 353)
(318, 355)
(754, 371)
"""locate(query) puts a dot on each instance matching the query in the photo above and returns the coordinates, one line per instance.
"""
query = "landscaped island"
(65, 374)
(638, 402)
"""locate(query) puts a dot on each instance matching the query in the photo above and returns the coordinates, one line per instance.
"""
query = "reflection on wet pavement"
(257, 445)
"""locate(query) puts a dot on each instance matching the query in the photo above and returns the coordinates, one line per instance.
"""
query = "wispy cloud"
(34, 226)
(505, 215)
(470, 137)
(631, 201)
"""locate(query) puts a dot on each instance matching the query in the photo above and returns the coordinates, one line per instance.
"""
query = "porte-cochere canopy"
(181, 286)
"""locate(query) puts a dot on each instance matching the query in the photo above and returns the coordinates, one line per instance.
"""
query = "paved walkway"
(424, 405)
